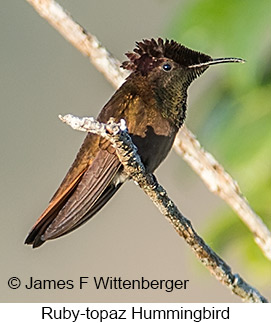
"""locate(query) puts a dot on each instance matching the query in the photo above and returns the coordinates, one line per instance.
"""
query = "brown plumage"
(153, 103)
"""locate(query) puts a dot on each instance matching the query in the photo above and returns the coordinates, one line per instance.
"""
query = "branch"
(118, 135)
(86, 43)
(222, 184)
(213, 175)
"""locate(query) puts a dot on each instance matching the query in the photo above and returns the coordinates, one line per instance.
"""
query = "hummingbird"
(153, 102)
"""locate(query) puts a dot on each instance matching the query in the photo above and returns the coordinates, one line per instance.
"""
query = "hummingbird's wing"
(79, 196)
(89, 183)
(93, 184)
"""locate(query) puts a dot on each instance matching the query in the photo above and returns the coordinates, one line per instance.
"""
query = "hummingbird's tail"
(80, 201)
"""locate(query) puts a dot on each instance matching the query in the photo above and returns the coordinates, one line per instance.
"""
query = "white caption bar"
(127, 312)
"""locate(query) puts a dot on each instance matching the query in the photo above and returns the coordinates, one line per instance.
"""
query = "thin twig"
(127, 152)
(213, 175)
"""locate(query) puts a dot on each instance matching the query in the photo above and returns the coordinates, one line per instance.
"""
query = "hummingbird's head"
(169, 68)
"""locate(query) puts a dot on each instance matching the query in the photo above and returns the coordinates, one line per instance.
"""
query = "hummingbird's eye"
(167, 67)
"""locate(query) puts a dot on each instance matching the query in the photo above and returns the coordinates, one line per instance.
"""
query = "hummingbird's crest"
(149, 53)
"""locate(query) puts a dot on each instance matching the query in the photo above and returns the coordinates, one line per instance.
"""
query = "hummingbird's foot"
(151, 180)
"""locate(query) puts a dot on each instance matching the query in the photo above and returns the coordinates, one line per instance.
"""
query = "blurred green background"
(235, 119)
(229, 111)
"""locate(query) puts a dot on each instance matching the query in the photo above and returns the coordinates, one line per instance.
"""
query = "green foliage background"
(236, 122)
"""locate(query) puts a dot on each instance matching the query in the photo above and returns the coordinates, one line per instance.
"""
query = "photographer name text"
(100, 283)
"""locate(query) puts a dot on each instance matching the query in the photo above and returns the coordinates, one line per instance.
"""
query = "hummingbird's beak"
(218, 61)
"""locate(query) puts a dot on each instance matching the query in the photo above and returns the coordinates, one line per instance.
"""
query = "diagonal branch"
(127, 152)
(214, 176)
(222, 184)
